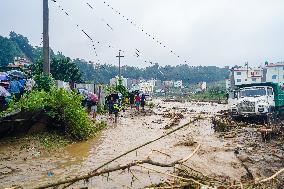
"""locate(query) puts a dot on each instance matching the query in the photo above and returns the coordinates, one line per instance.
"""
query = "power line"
(91, 39)
(132, 22)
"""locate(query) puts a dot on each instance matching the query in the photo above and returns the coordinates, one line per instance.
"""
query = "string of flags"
(137, 51)
(93, 42)
(131, 21)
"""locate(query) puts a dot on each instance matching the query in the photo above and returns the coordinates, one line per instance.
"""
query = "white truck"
(251, 100)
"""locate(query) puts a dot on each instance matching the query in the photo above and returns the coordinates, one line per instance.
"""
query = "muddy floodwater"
(30, 167)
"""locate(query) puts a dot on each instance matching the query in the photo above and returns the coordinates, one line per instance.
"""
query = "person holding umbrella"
(15, 88)
(93, 102)
(4, 95)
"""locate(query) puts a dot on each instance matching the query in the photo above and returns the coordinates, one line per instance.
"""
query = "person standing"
(137, 102)
(23, 83)
(94, 109)
(131, 99)
(4, 96)
(143, 101)
(15, 88)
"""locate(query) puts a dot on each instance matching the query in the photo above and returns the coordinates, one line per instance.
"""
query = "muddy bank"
(216, 157)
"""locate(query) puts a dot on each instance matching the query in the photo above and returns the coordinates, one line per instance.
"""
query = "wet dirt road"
(29, 167)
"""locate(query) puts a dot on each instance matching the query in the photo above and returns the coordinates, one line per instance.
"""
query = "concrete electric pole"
(46, 61)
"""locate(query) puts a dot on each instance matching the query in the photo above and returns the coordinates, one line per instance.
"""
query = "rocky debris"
(5, 170)
(142, 113)
(175, 119)
(253, 144)
(187, 142)
(159, 121)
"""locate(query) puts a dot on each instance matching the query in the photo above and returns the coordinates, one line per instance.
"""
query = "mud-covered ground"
(231, 156)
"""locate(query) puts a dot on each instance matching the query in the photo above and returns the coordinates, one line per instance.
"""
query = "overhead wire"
(79, 28)
(137, 52)
(99, 42)
(132, 22)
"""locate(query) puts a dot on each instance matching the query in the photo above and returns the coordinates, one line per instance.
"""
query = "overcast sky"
(201, 32)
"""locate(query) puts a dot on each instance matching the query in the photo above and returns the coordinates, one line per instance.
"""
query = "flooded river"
(32, 168)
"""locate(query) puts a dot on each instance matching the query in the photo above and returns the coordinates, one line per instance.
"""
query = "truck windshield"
(253, 92)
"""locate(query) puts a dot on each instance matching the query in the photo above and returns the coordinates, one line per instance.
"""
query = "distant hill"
(18, 46)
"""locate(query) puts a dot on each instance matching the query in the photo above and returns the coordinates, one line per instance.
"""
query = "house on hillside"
(19, 63)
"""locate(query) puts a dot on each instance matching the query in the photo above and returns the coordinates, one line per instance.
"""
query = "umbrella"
(4, 92)
(4, 76)
(16, 73)
(93, 97)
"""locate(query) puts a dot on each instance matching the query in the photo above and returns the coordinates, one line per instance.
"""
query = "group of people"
(12, 87)
(114, 103)
(138, 100)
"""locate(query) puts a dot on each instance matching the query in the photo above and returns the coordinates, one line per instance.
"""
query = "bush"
(61, 107)
(44, 82)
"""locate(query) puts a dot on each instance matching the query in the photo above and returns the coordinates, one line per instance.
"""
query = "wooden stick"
(271, 177)
(188, 157)
(161, 153)
(171, 175)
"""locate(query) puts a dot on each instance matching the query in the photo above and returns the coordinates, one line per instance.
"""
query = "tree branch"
(271, 177)
(96, 171)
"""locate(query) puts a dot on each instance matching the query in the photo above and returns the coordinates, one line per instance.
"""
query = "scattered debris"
(188, 142)
(175, 119)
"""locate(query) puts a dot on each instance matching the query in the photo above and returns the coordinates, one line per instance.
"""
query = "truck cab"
(261, 99)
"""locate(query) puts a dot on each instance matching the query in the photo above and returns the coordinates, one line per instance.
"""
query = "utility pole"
(246, 64)
(46, 61)
(119, 67)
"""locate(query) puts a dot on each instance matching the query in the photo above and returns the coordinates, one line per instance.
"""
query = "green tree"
(23, 44)
(61, 69)
(8, 51)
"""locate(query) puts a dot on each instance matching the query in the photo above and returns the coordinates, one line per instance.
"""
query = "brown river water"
(132, 130)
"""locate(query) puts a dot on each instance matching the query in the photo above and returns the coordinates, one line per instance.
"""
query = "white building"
(168, 83)
(247, 75)
(275, 73)
(203, 86)
(178, 84)
(228, 83)
(146, 87)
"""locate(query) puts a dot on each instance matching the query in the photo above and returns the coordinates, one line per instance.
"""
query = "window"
(269, 91)
(239, 73)
(253, 79)
(239, 80)
(274, 77)
(253, 92)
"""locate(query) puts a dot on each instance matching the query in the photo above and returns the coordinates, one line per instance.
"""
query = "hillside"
(18, 45)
